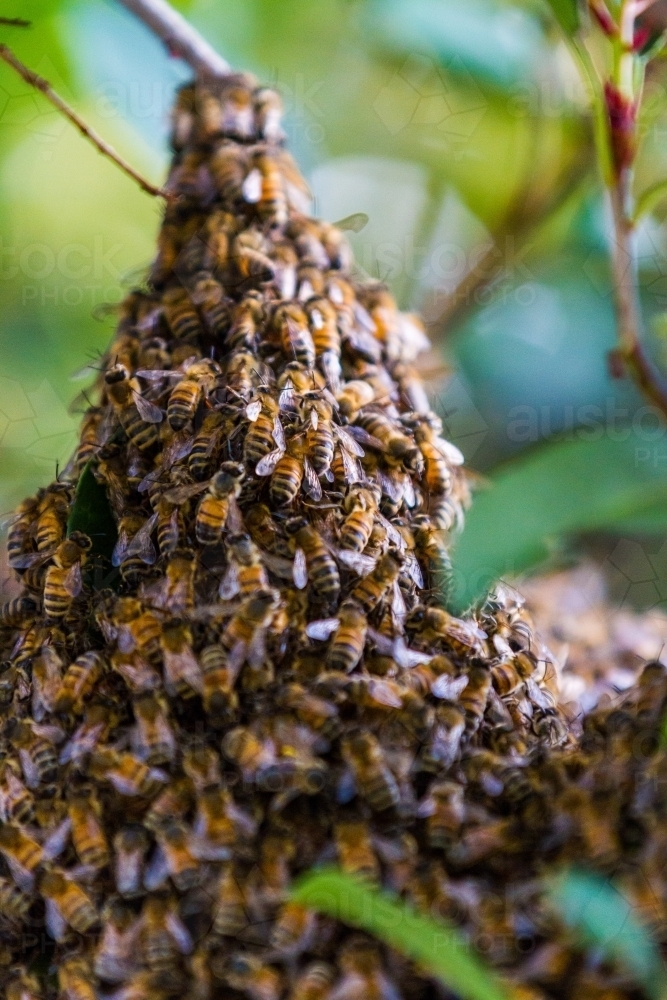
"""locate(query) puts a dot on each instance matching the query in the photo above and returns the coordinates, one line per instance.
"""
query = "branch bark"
(39, 83)
(180, 37)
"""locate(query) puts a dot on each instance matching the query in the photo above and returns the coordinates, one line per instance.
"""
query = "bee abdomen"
(286, 480)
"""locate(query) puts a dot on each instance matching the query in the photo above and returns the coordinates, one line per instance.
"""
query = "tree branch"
(45, 87)
(180, 37)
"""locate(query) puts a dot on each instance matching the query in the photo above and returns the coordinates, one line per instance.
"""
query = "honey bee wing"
(55, 922)
(383, 643)
(357, 561)
(449, 451)
(82, 742)
(236, 658)
(398, 608)
(182, 666)
(322, 628)
(278, 565)
(73, 582)
(287, 397)
(349, 441)
(234, 516)
(178, 448)
(394, 535)
(448, 688)
(157, 871)
(350, 467)
(148, 411)
(158, 374)
(408, 658)
(266, 465)
(409, 494)
(278, 433)
(57, 840)
(24, 879)
(352, 223)
(426, 807)
(311, 484)
(383, 693)
(314, 418)
(120, 548)
(251, 189)
(256, 654)
(180, 494)
(30, 770)
(179, 934)
(253, 410)
(331, 367)
(229, 585)
(414, 570)
(391, 487)
(149, 480)
(28, 559)
(141, 544)
(300, 569)
(54, 734)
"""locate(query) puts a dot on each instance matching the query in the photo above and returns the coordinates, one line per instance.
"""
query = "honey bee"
(20, 528)
(431, 549)
(214, 507)
(505, 678)
(170, 526)
(264, 187)
(246, 573)
(373, 776)
(242, 374)
(17, 612)
(182, 674)
(253, 754)
(250, 255)
(208, 295)
(181, 315)
(444, 742)
(312, 560)
(79, 682)
(356, 853)
(314, 983)
(127, 774)
(177, 591)
(463, 637)
(67, 903)
(320, 715)
(289, 469)
(137, 416)
(361, 504)
(88, 837)
(230, 913)
(14, 904)
(320, 441)
(116, 957)
(164, 938)
(129, 848)
(137, 628)
(179, 864)
(244, 634)
(52, 516)
(398, 448)
(323, 324)
(248, 974)
(372, 589)
(39, 760)
(153, 740)
(229, 167)
(268, 113)
(445, 811)
(219, 824)
(196, 382)
(175, 800)
(350, 628)
(22, 854)
(475, 695)
(362, 972)
(16, 803)
(75, 979)
(291, 325)
(354, 395)
(294, 929)
(134, 550)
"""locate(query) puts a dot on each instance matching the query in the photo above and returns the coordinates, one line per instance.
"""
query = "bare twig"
(15, 22)
(45, 87)
(180, 37)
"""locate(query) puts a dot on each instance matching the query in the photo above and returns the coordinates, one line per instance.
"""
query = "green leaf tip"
(91, 513)
(435, 945)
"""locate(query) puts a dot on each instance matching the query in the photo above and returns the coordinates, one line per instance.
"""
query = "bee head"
(117, 373)
(82, 541)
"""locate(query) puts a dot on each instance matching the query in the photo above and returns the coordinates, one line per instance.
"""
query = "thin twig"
(15, 22)
(45, 87)
(180, 37)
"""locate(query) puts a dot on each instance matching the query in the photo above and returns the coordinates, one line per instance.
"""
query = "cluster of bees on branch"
(265, 675)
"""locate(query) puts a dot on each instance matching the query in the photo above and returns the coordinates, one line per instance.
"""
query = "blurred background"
(463, 131)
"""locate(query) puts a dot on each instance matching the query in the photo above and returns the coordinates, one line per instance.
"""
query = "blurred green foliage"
(462, 130)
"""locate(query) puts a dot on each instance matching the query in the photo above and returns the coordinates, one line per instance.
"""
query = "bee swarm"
(268, 678)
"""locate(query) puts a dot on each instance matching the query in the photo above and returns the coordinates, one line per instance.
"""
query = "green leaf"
(91, 513)
(560, 488)
(437, 946)
(567, 14)
(601, 916)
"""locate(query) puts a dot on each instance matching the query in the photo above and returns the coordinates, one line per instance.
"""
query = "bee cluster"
(272, 679)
